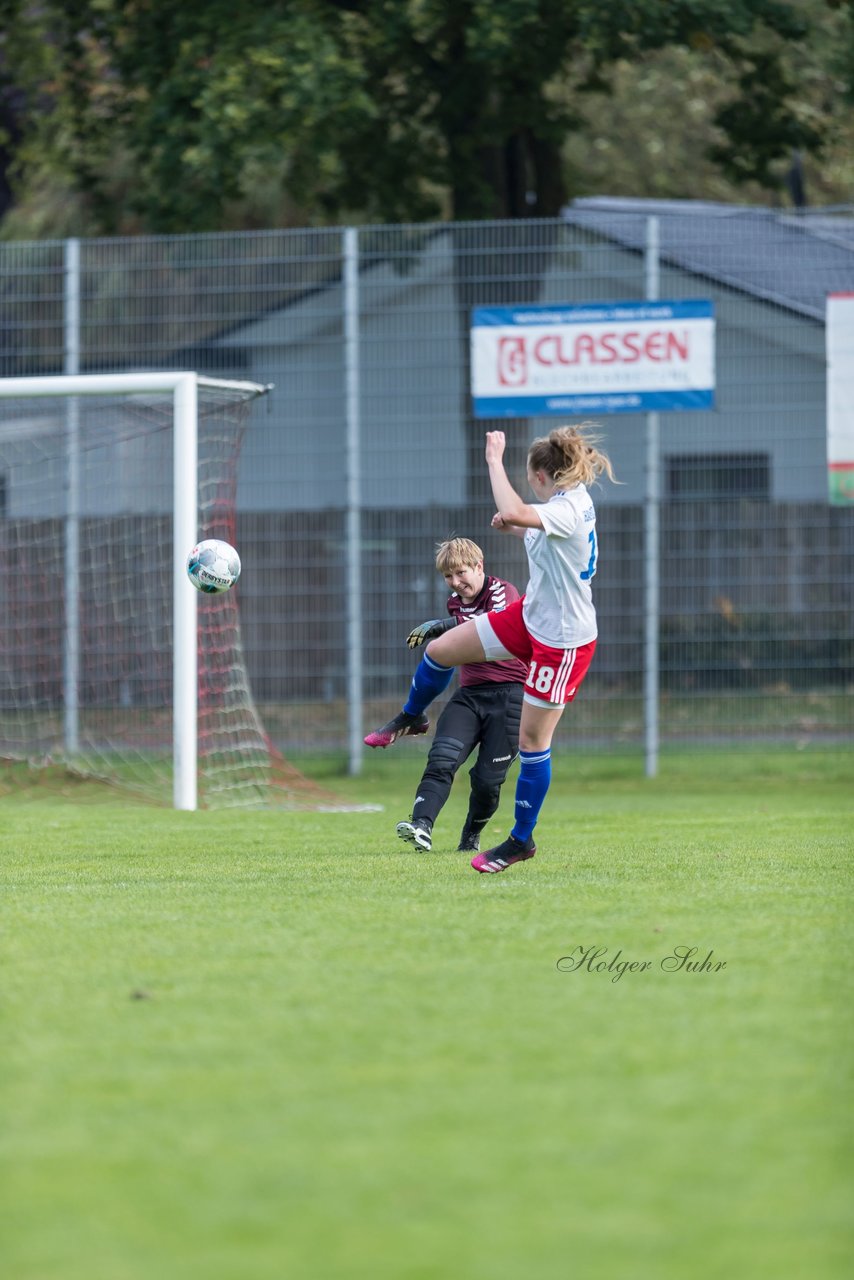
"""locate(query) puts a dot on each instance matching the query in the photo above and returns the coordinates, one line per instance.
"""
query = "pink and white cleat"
(504, 855)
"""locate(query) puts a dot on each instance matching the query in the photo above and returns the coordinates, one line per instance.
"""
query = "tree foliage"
(384, 110)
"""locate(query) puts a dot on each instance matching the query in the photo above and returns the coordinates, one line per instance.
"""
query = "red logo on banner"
(512, 362)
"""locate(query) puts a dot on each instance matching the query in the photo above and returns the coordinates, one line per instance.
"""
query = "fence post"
(652, 536)
(71, 364)
(355, 664)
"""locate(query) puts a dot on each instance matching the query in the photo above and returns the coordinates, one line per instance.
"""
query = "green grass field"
(245, 1046)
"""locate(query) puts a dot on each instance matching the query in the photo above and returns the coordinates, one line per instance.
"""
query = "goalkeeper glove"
(429, 630)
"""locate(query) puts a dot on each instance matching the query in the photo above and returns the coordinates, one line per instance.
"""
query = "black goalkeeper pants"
(485, 716)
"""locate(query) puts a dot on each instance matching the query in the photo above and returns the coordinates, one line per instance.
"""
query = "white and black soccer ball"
(213, 566)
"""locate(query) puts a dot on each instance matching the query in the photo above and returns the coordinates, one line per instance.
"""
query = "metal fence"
(734, 625)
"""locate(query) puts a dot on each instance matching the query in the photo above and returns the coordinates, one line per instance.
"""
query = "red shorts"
(554, 675)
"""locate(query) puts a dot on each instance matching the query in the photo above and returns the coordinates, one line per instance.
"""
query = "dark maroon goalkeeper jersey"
(495, 594)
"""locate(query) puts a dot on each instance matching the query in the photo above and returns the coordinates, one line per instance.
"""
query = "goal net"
(111, 664)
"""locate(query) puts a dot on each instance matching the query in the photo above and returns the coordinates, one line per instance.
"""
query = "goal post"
(184, 388)
(185, 675)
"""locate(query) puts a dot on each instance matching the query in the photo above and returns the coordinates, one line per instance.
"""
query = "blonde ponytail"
(570, 456)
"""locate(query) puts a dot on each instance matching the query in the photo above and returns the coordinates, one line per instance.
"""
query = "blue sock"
(532, 784)
(428, 682)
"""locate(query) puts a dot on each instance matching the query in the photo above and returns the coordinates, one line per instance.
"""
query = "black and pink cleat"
(402, 725)
(504, 855)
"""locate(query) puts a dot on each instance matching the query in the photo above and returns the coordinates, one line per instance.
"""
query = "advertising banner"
(615, 357)
(840, 398)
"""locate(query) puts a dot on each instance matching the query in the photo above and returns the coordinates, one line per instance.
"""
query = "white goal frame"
(184, 387)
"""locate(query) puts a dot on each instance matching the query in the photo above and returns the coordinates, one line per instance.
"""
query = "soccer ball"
(213, 566)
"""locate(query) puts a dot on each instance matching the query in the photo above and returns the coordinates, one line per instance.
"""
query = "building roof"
(793, 258)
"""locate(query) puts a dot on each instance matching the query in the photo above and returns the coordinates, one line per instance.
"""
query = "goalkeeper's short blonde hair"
(457, 553)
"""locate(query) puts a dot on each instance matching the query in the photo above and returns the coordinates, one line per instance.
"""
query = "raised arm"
(512, 511)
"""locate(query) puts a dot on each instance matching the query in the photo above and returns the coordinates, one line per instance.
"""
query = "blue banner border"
(616, 402)
(594, 313)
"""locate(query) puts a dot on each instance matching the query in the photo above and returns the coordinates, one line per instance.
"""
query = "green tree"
(655, 129)
(387, 110)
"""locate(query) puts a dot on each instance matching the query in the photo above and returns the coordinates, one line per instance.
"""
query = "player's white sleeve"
(560, 517)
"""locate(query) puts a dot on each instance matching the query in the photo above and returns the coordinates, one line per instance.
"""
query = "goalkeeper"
(484, 712)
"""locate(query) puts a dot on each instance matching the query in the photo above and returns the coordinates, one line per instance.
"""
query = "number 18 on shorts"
(555, 675)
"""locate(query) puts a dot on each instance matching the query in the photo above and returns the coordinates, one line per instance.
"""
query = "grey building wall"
(411, 402)
(770, 395)
(414, 405)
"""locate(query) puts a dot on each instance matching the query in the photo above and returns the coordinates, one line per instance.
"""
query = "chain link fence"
(367, 452)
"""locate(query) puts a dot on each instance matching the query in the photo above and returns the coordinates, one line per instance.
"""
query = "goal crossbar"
(98, 384)
(184, 386)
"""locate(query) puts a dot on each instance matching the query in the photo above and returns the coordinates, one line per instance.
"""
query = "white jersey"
(558, 609)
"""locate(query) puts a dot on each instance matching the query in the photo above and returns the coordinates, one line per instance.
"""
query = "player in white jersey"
(552, 628)
(562, 561)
